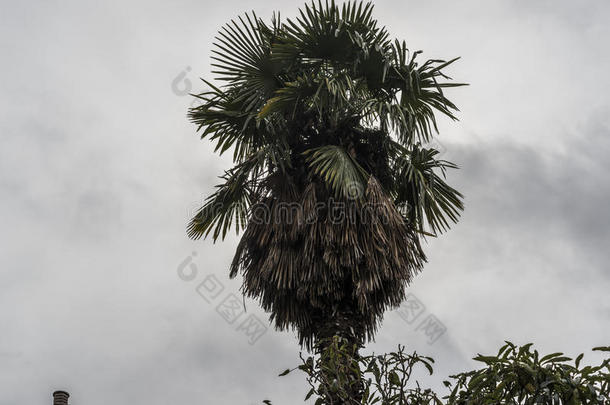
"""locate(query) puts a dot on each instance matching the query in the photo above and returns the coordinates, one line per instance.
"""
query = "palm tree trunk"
(338, 341)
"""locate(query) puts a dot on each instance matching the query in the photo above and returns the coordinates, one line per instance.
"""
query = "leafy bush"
(340, 376)
(517, 375)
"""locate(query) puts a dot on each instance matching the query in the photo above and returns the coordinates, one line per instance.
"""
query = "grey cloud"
(100, 170)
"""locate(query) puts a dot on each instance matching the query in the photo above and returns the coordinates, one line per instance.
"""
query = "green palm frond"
(242, 58)
(286, 99)
(222, 120)
(226, 207)
(338, 169)
(335, 95)
(230, 204)
(329, 34)
(421, 186)
(414, 94)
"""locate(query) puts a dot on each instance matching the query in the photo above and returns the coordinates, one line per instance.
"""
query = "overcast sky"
(100, 171)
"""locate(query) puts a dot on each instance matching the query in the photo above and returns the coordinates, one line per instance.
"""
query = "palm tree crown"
(326, 117)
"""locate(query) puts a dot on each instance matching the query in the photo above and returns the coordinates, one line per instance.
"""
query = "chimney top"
(60, 398)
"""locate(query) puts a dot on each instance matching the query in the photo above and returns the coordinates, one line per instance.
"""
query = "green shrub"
(520, 375)
(517, 375)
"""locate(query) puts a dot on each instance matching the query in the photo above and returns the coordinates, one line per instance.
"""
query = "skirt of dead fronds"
(320, 265)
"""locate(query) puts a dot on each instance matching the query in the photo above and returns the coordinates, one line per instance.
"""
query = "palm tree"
(333, 186)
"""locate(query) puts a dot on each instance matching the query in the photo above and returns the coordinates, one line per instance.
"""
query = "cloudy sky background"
(100, 170)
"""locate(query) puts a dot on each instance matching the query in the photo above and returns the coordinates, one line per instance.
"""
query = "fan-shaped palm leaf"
(338, 169)
(421, 187)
